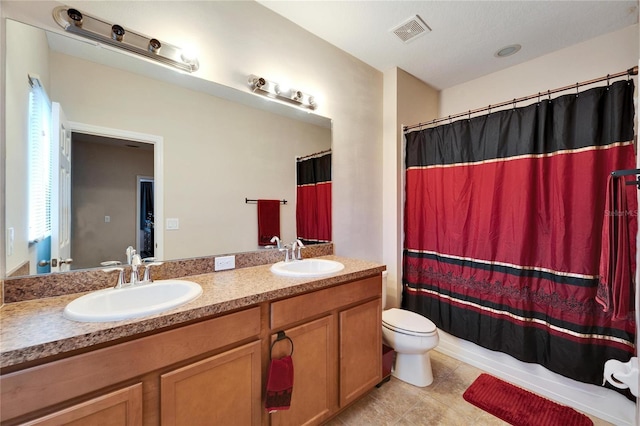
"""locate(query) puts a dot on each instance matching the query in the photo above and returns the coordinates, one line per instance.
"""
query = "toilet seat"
(407, 322)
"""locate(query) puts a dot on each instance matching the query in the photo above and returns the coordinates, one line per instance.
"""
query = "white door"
(60, 191)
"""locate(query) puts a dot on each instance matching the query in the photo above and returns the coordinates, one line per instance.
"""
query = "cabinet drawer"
(23, 391)
(298, 308)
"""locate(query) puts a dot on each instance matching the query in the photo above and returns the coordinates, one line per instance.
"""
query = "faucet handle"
(286, 249)
(147, 271)
(121, 281)
(300, 246)
(148, 259)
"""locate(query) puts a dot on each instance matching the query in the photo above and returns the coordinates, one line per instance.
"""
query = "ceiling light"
(277, 91)
(75, 16)
(81, 24)
(117, 32)
(512, 49)
(154, 45)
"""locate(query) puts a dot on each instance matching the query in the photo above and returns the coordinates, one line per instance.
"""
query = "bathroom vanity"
(205, 362)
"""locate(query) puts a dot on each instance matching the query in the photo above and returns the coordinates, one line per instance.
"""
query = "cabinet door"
(224, 389)
(360, 350)
(122, 407)
(314, 373)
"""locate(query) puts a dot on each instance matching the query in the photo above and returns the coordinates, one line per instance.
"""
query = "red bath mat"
(520, 407)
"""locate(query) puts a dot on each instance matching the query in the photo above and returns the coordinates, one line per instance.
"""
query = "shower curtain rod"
(629, 72)
(304, 157)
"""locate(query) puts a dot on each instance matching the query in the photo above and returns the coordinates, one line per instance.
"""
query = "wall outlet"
(225, 262)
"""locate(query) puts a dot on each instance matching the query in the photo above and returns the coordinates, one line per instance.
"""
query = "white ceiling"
(465, 34)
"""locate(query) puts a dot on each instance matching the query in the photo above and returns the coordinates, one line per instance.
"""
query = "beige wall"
(407, 100)
(235, 39)
(21, 61)
(104, 183)
(594, 58)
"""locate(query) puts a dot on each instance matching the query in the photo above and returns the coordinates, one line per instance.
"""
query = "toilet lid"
(407, 322)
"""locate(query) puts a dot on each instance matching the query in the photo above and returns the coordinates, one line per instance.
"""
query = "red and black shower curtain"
(313, 203)
(503, 223)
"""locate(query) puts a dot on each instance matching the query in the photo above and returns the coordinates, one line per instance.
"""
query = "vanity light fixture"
(276, 91)
(79, 23)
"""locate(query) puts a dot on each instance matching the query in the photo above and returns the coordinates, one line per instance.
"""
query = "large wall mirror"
(151, 148)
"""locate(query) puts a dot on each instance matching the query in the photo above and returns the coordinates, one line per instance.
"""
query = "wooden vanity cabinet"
(337, 338)
(155, 366)
(211, 372)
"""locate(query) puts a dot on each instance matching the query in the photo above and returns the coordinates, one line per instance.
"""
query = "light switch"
(173, 223)
(107, 219)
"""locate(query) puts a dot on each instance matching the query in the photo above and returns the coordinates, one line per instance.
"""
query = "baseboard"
(595, 400)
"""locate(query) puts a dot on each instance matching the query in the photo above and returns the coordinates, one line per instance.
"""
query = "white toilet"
(412, 336)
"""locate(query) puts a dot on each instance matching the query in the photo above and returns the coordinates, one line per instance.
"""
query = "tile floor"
(441, 403)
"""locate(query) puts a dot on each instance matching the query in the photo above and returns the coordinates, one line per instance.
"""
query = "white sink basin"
(131, 302)
(307, 268)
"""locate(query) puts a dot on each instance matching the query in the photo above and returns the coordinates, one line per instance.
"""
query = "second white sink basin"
(131, 302)
(307, 268)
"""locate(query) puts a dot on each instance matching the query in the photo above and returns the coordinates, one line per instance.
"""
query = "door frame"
(158, 170)
(60, 179)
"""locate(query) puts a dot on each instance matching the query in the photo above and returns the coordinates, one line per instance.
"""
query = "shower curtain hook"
(549, 94)
(489, 108)
(449, 119)
(469, 115)
(514, 103)
(538, 97)
(577, 92)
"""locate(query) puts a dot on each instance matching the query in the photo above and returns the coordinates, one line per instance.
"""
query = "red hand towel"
(615, 287)
(279, 384)
(268, 221)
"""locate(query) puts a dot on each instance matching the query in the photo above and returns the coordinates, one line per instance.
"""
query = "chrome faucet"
(298, 255)
(130, 251)
(277, 241)
(135, 262)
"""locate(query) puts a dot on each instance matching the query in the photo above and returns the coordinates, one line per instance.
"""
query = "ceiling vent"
(411, 29)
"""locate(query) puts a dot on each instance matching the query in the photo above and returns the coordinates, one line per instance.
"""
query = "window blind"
(40, 162)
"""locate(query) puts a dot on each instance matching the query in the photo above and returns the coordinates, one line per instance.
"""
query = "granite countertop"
(35, 329)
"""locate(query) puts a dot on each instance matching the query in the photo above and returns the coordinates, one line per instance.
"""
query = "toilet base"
(414, 369)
